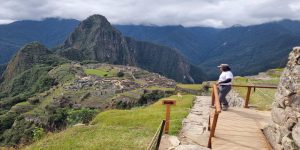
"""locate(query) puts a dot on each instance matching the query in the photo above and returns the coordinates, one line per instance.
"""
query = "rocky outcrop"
(96, 39)
(234, 99)
(284, 130)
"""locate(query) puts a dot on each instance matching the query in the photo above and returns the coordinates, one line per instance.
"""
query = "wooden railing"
(215, 101)
(249, 88)
(155, 142)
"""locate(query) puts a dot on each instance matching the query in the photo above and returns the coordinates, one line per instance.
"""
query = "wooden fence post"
(168, 104)
(213, 97)
(247, 97)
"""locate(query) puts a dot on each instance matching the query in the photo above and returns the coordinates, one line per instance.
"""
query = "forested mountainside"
(248, 49)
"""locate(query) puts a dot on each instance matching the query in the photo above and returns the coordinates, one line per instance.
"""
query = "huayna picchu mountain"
(96, 39)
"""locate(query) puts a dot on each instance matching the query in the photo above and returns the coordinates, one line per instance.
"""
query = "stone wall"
(283, 132)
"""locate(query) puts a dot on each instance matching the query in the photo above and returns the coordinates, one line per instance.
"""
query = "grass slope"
(191, 86)
(101, 72)
(261, 98)
(118, 129)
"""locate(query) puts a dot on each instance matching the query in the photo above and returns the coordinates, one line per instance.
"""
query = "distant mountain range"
(50, 32)
(248, 50)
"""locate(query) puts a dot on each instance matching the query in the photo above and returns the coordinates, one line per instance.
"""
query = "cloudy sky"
(214, 13)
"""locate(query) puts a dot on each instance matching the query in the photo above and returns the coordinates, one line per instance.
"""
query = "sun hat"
(223, 65)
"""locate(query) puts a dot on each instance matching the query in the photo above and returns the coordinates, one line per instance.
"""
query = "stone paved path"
(194, 134)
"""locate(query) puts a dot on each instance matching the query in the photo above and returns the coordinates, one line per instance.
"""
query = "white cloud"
(216, 13)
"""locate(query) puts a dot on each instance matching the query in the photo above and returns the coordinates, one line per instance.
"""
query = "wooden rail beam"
(256, 86)
(217, 99)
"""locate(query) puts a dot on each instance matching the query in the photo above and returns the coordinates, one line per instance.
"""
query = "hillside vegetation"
(118, 129)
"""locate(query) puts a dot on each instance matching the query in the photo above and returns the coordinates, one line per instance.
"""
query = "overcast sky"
(214, 13)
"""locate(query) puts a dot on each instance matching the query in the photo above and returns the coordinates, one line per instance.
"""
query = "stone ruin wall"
(283, 132)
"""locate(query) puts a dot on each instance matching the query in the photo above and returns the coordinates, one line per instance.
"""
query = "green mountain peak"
(96, 39)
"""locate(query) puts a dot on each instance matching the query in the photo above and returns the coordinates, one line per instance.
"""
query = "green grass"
(62, 73)
(101, 72)
(262, 98)
(118, 129)
(44, 102)
(190, 86)
(136, 94)
(275, 73)
(160, 88)
(21, 107)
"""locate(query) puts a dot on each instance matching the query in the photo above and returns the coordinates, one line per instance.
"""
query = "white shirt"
(224, 76)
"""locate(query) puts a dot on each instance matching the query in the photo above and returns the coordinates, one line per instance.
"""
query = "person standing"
(224, 84)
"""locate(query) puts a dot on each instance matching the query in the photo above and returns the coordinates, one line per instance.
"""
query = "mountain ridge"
(50, 32)
(203, 45)
(248, 49)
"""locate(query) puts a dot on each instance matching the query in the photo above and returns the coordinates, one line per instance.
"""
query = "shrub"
(38, 133)
(83, 115)
(21, 132)
(57, 118)
(7, 121)
(120, 74)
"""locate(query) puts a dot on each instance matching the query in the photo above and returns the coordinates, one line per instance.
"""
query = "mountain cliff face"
(95, 39)
(164, 60)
